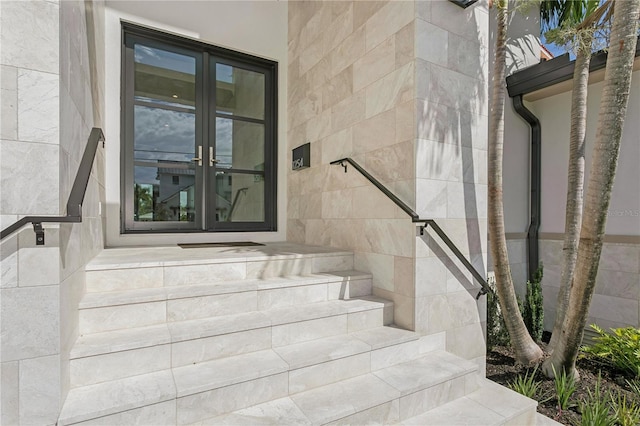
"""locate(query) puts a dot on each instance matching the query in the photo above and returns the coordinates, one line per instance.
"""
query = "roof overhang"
(555, 76)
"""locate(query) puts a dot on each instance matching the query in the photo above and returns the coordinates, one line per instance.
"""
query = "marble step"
(117, 354)
(235, 387)
(106, 311)
(382, 397)
(154, 267)
(490, 404)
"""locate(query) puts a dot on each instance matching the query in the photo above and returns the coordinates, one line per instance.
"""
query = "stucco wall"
(616, 301)
(255, 27)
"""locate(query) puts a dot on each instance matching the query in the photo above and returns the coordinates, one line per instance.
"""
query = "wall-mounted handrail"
(415, 218)
(76, 197)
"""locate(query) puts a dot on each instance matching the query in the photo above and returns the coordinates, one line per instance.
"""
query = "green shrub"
(497, 334)
(634, 385)
(533, 309)
(565, 387)
(595, 409)
(621, 348)
(526, 385)
(626, 412)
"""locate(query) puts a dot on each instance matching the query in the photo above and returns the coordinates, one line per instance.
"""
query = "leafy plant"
(526, 385)
(533, 309)
(627, 413)
(497, 334)
(595, 409)
(634, 385)
(621, 348)
(565, 388)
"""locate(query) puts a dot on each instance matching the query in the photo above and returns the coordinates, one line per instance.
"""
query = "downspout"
(533, 256)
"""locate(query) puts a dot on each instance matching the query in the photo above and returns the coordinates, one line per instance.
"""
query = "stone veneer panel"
(616, 300)
(401, 87)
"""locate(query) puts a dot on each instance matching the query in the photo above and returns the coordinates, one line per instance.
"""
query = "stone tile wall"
(616, 300)
(49, 103)
(351, 94)
(401, 87)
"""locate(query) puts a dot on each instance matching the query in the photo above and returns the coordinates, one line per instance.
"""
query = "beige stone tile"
(39, 266)
(470, 24)
(455, 90)
(364, 320)
(387, 21)
(389, 164)
(466, 201)
(370, 203)
(404, 276)
(387, 413)
(198, 274)
(317, 375)
(318, 127)
(10, 409)
(333, 402)
(423, 10)
(337, 145)
(438, 160)
(349, 111)
(349, 288)
(30, 322)
(124, 279)
(30, 168)
(381, 267)
(431, 198)
(615, 309)
(396, 354)
(435, 396)
(333, 263)
(298, 332)
(617, 284)
(405, 44)
(467, 342)
(118, 365)
(309, 107)
(430, 276)
(403, 308)
(620, 257)
(291, 296)
(38, 106)
(502, 400)
(277, 412)
(390, 236)
(406, 121)
(375, 132)
(120, 317)
(394, 89)
(119, 395)
(347, 52)
(377, 63)
(363, 10)
(208, 306)
(30, 35)
(433, 342)
(9, 106)
(204, 405)
(340, 27)
(431, 43)
(9, 262)
(461, 412)
(337, 204)
(467, 57)
(39, 390)
(339, 87)
(314, 28)
(162, 414)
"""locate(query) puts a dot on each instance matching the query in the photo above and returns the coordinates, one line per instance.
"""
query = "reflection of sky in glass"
(224, 73)
(224, 141)
(162, 58)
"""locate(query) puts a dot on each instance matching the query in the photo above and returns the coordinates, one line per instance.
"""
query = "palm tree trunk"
(527, 352)
(613, 108)
(575, 179)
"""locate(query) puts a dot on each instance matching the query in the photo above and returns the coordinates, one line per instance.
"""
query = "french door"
(199, 136)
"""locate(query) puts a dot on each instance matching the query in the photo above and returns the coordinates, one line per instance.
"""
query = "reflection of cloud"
(165, 131)
(164, 59)
(145, 175)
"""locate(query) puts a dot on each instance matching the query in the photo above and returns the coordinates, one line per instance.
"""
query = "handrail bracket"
(39, 230)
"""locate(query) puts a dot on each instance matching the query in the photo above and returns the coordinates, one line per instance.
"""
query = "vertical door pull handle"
(212, 159)
(198, 159)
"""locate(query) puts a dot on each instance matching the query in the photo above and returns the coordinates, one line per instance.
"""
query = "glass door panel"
(165, 178)
(240, 197)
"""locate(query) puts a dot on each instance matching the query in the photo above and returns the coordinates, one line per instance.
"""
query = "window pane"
(239, 92)
(240, 197)
(239, 144)
(164, 175)
(164, 77)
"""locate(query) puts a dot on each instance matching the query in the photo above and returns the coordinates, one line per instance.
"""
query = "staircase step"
(490, 404)
(103, 399)
(279, 412)
(106, 311)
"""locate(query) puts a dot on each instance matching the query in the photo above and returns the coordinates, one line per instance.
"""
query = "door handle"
(212, 159)
(198, 159)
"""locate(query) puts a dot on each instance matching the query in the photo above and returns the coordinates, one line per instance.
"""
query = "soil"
(501, 368)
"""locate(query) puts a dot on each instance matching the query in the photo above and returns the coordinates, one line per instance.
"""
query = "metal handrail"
(415, 218)
(76, 197)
